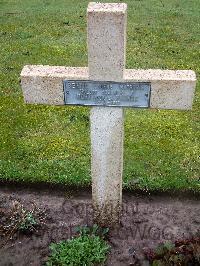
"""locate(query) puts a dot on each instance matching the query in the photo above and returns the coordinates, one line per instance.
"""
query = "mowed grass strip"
(52, 144)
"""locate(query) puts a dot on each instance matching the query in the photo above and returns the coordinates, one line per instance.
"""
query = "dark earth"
(146, 221)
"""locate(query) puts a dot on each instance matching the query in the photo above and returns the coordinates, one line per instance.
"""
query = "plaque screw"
(146, 94)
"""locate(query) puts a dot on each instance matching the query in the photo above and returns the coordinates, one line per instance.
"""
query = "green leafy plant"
(28, 222)
(93, 230)
(88, 248)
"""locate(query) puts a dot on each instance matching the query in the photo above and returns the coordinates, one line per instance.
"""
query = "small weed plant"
(28, 222)
(16, 218)
(87, 249)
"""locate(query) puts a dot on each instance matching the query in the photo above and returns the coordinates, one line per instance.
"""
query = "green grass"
(46, 143)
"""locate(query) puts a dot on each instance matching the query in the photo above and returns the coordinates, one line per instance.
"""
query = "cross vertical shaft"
(106, 59)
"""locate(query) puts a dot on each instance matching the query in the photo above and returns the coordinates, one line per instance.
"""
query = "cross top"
(166, 89)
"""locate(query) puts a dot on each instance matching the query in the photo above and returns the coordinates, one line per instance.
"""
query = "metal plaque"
(107, 93)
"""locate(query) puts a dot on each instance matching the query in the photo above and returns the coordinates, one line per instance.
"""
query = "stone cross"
(106, 29)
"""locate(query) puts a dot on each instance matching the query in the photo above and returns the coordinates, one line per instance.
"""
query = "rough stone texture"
(107, 163)
(44, 84)
(107, 7)
(106, 59)
(106, 41)
(170, 89)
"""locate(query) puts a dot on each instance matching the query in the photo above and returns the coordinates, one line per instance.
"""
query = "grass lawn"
(46, 143)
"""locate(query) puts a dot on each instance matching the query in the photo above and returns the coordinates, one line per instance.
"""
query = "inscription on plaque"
(107, 93)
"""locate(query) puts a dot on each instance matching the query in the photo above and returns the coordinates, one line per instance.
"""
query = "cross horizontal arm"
(170, 89)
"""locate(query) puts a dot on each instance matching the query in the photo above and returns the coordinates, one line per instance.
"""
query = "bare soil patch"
(146, 221)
